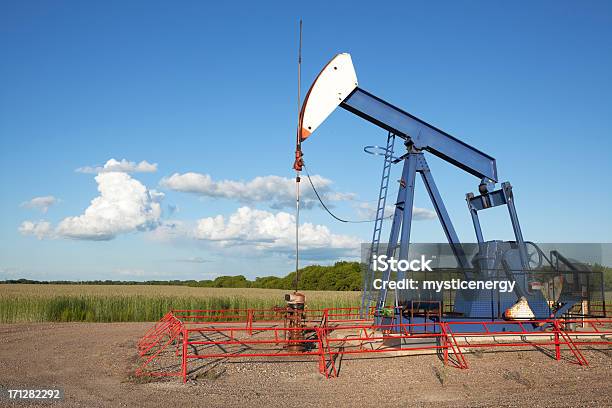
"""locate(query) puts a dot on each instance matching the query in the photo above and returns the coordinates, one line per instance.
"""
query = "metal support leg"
(400, 205)
(447, 225)
(409, 178)
(475, 221)
(518, 234)
(516, 226)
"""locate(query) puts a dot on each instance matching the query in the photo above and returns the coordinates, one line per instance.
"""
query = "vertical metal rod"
(184, 356)
(299, 101)
(557, 345)
(297, 230)
(297, 172)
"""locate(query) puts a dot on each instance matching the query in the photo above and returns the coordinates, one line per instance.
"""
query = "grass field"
(134, 303)
(138, 303)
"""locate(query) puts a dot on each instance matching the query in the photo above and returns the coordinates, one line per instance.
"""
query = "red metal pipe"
(339, 320)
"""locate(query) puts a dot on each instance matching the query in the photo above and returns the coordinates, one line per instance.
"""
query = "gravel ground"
(94, 364)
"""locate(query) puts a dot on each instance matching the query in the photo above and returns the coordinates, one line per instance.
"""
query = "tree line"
(340, 276)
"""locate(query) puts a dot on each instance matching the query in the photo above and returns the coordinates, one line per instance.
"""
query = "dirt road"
(94, 363)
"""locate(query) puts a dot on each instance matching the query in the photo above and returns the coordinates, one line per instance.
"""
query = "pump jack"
(337, 85)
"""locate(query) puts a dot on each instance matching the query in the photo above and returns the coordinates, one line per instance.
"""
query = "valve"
(298, 164)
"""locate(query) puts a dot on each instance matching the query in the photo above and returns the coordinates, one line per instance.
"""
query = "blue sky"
(209, 89)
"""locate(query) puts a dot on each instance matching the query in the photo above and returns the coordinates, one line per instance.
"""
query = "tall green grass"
(142, 303)
(130, 308)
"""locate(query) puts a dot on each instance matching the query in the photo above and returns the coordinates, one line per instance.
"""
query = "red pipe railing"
(340, 331)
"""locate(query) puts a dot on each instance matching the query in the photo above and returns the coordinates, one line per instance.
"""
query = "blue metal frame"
(403, 195)
(421, 134)
(445, 221)
(419, 137)
(503, 196)
(414, 161)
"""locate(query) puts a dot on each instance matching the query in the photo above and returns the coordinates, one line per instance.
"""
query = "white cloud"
(8, 273)
(194, 259)
(140, 274)
(278, 191)
(423, 214)
(134, 272)
(171, 231)
(124, 205)
(273, 232)
(40, 203)
(367, 211)
(123, 166)
(40, 229)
